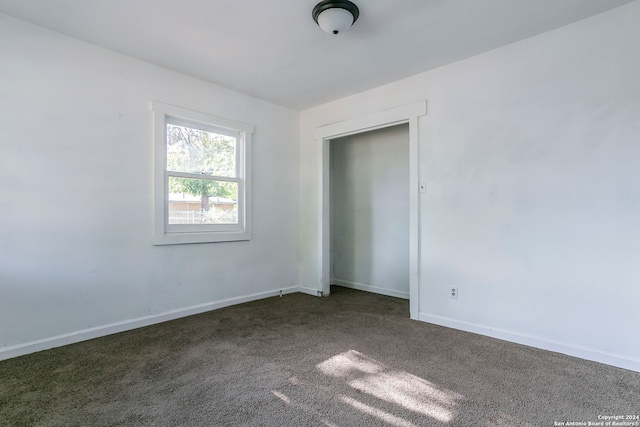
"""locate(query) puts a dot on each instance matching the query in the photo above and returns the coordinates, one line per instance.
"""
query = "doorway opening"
(369, 215)
(407, 114)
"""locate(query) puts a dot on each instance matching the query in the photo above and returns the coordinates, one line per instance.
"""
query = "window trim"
(165, 234)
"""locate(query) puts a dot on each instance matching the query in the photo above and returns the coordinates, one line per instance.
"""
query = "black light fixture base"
(331, 4)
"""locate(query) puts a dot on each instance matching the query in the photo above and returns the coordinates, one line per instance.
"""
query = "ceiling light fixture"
(335, 16)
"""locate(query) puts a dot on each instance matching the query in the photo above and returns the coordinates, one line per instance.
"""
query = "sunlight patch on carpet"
(400, 388)
(281, 396)
(378, 413)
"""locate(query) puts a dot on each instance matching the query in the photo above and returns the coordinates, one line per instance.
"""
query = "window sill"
(189, 238)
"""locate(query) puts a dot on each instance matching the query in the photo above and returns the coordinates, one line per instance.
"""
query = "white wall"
(370, 211)
(531, 154)
(76, 194)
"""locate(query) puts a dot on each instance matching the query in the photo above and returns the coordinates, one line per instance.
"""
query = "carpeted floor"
(352, 359)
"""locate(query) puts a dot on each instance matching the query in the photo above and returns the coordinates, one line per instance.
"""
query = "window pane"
(198, 151)
(201, 201)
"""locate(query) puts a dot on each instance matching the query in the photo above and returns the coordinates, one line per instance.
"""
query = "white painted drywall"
(531, 155)
(76, 192)
(370, 211)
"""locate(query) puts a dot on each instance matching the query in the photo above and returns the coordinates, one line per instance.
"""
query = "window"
(201, 177)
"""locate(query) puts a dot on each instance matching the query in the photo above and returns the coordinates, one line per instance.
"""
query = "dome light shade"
(335, 21)
(335, 16)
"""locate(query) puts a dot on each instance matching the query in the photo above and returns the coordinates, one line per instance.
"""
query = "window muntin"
(202, 177)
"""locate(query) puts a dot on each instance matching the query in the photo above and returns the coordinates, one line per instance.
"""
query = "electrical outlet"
(453, 293)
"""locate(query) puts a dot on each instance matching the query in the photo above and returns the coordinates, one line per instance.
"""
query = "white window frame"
(172, 234)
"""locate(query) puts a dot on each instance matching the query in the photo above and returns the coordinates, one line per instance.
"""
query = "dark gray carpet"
(352, 359)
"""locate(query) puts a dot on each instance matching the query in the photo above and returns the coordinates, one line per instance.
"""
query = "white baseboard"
(369, 288)
(113, 328)
(592, 354)
(309, 291)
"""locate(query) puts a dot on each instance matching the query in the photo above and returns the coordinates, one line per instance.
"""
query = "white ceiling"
(272, 49)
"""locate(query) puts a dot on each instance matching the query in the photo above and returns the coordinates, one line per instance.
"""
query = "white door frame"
(322, 136)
